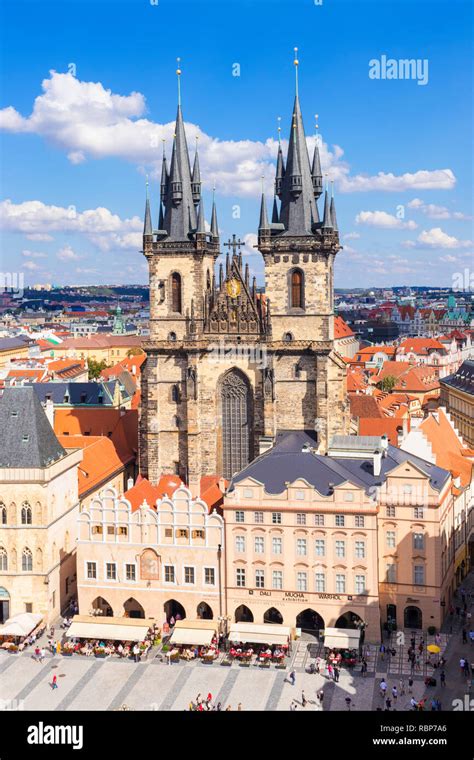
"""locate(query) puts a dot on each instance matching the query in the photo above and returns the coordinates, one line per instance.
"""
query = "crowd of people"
(207, 704)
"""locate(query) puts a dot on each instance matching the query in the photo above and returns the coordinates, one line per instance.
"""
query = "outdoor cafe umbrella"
(434, 648)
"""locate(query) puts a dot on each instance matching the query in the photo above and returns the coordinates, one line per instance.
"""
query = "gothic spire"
(327, 222)
(180, 214)
(316, 175)
(280, 167)
(332, 210)
(263, 224)
(214, 225)
(201, 227)
(196, 178)
(164, 175)
(275, 218)
(147, 227)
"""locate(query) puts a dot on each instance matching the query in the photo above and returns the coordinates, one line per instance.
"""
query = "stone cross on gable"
(234, 244)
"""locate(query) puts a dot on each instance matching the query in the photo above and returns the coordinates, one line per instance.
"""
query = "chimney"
(384, 445)
(265, 444)
(130, 483)
(49, 411)
(377, 462)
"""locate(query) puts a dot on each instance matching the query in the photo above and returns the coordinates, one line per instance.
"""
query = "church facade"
(229, 367)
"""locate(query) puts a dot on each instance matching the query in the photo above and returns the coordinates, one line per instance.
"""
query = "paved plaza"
(86, 683)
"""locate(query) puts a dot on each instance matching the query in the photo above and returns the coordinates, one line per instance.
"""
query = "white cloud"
(33, 254)
(383, 220)
(436, 238)
(40, 237)
(86, 120)
(436, 212)
(67, 254)
(101, 226)
(448, 258)
(30, 266)
(351, 236)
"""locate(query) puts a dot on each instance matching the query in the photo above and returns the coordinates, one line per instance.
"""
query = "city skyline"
(83, 126)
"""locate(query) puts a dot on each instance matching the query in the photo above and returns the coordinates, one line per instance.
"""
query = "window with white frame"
(418, 541)
(391, 573)
(92, 570)
(359, 521)
(340, 521)
(360, 584)
(209, 576)
(301, 547)
(320, 582)
(390, 510)
(111, 571)
(277, 545)
(391, 539)
(340, 548)
(319, 519)
(277, 579)
(301, 581)
(258, 517)
(418, 511)
(189, 574)
(130, 572)
(276, 518)
(320, 547)
(169, 574)
(240, 577)
(240, 516)
(259, 545)
(300, 518)
(259, 578)
(340, 583)
(419, 575)
(360, 549)
(240, 544)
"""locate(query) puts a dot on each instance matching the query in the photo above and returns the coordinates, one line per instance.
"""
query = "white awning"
(192, 636)
(21, 624)
(253, 633)
(341, 638)
(100, 630)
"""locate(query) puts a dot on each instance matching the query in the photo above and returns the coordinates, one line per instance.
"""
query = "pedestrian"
(388, 704)
(219, 707)
(464, 636)
(414, 704)
(304, 701)
(330, 671)
(382, 651)
(394, 693)
(383, 687)
(209, 698)
(363, 669)
(136, 653)
(239, 707)
(54, 682)
(402, 687)
(320, 696)
(348, 702)
(198, 699)
(292, 707)
(42, 654)
(462, 663)
(336, 674)
(433, 705)
(438, 704)
(37, 654)
(292, 677)
(228, 708)
(410, 685)
(442, 678)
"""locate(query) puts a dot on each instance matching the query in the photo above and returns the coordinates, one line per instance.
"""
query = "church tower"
(299, 248)
(227, 367)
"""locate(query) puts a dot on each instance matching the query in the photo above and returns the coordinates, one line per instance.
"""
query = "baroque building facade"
(228, 367)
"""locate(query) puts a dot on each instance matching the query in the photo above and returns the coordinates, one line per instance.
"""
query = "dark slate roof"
(298, 214)
(180, 218)
(17, 342)
(28, 439)
(286, 462)
(463, 379)
(93, 392)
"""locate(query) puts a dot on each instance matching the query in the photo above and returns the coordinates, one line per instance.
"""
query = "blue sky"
(89, 90)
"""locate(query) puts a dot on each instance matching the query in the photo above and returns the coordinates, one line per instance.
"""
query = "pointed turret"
(196, 179)
(332, 212)
(147, 226)
(280, 170)
(263, 224)
(164, 177)
(201, 227)
(160, 217)
(214, 225)
(275, 215)
(316, 175)
(180, 214)
(327, 223)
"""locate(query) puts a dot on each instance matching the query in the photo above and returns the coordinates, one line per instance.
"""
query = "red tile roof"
(341, 328)
(388, 426)
(362, 405)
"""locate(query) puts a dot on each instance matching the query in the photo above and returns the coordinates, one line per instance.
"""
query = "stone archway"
(100, 606)
(4, 605)
(133, 609)
(174, 609)
(273, 616)
(204, 612)
(413, 617)
(310, 621)
(243, 615)
(349, 619)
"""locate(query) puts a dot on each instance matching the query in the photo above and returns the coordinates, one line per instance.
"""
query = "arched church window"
(27, 561)
(175, 395)
(297, 289)
(236, 422)
(288, 337)
(3, 559)
(25, 513)
(3, 513)
(172, 337)
(176, 302)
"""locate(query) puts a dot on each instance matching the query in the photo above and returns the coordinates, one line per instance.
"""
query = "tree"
(95, 368)
(387, 384)
(135, 352)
